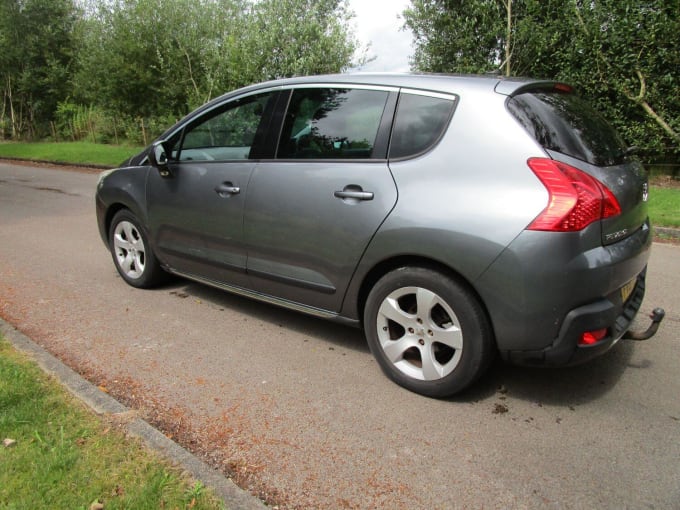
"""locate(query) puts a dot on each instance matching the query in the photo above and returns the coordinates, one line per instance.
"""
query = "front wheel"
(427, 331)
(131, 252)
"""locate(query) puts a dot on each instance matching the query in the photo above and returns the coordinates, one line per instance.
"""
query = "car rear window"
(419, 123)
(563, 122)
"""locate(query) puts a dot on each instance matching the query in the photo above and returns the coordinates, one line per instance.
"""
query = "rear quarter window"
(419, 124)
(564, 123)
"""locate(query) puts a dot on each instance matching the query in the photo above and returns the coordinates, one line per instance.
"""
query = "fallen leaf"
(96, 505)
(103, 388)
(8, 443)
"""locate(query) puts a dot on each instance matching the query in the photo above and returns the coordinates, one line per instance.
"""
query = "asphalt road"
(297, 410)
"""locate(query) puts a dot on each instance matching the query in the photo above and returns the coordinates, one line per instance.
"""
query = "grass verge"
(664, 206)
(84, 153)
(66, 457)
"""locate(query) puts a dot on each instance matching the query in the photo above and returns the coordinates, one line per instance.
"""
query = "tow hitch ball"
(657, 316)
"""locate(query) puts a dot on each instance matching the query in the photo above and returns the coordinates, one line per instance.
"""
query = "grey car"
(451, 217)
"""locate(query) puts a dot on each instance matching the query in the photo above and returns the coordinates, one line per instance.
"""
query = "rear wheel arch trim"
(375, 273)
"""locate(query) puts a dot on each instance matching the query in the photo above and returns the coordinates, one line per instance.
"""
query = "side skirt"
(284, 303)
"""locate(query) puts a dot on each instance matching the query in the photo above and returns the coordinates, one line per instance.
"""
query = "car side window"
(227, 133)
(325, 123)
(419, 124)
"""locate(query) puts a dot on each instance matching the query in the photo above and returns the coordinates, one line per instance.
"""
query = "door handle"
(353, 195)
(227, 189)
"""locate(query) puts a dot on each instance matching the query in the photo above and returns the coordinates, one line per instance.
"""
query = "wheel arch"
(385, 266)
(110, 213)
(119, 205)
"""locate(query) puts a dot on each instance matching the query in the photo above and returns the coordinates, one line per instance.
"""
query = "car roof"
(445, 83)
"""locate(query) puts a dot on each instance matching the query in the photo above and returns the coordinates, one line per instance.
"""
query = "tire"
(427, 331)
(132, 254)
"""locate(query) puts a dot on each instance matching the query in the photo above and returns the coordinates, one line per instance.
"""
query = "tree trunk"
(508, 38)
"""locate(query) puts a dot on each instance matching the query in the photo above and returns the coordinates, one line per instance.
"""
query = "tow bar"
(656, 316)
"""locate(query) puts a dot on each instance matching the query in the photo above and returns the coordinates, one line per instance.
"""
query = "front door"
(196, 213)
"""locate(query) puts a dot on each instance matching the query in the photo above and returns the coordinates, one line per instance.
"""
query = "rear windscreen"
(565, 123)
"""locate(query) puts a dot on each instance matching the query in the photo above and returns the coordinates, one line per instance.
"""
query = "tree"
(147, 57)
(135, 62)
(461, 36)
(36, 52)
(296, 37)
(144, 57)
(622, 54)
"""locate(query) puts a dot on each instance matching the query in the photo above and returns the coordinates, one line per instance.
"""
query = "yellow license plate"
(627, 289)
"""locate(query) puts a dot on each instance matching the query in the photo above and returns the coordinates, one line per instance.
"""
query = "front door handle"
(227, 189)
(353, 194)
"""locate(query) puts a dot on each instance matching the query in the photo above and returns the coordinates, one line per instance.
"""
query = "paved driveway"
(296, 408)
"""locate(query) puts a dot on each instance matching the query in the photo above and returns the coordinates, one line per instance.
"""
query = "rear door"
(312, 211)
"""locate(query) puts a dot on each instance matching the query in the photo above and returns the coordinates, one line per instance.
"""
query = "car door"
(196, 209)
(312, 211)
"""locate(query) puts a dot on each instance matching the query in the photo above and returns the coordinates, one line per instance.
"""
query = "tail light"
(576, 198)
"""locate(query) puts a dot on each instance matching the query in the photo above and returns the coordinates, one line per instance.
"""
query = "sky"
(379, 23)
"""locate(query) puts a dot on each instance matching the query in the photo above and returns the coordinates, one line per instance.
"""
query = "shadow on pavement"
(555, 386)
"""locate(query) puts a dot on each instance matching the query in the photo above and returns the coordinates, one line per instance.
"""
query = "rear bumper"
(609, 313)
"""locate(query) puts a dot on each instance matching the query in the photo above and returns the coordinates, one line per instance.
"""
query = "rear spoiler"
(510, 87)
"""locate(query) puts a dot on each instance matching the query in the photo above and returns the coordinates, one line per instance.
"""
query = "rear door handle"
(351, 193)
(227, 189)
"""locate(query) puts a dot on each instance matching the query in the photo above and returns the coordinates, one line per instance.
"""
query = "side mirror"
(158, 158)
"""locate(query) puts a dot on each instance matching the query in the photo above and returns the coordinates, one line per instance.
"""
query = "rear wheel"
(131, 252)
(427, 331)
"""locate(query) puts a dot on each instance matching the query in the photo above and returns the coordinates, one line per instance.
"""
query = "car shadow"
(556, 385)
(553, 386)
(339, 335)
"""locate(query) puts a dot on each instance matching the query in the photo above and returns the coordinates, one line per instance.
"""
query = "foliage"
(36, 53)
(111, 69)
(149, 58)
(295, 37)
(621, 54)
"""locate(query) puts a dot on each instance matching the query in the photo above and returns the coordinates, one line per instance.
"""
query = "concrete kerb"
(233, 496)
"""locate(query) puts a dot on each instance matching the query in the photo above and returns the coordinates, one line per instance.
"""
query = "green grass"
(71, 152)
(664, 206)
(66, 457)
